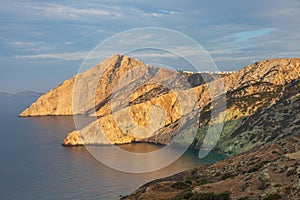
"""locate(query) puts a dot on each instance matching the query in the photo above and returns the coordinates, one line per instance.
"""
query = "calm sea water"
(34, 165)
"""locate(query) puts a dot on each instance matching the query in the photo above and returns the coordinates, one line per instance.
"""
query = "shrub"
(227, 175)
(211, 196)
(186, 194)
(188, 181)
(202, 181)
(180, 185)
(263, 185)
(272, 197)
(189, 195)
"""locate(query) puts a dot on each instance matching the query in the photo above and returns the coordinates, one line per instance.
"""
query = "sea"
(34, 164)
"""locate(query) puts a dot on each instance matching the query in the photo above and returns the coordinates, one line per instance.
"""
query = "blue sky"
(42, 43)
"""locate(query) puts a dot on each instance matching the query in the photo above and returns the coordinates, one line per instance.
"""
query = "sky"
(43, 43)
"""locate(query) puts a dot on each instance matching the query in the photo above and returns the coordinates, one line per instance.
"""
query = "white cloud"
(31, 46)
(91, 57)
(58, 56)
(160, 13)
(92, 22)
(57, 11)
(68, 42)
(154, 14)
(283, 13)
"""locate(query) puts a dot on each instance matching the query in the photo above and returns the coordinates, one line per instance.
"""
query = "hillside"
(270, 169)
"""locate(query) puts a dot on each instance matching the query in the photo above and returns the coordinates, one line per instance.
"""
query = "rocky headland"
(260, 133)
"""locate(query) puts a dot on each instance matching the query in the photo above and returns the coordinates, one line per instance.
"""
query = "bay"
(34, 164)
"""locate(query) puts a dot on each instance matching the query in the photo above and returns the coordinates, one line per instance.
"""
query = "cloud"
(58, 56)
(245, 37)
(31, 46)
(58, 11)
(90, 57)
(230, 31)
(68, 42)
(160, 13)
(279, 13)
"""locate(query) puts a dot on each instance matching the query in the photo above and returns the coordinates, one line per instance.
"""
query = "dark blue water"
(34, 165)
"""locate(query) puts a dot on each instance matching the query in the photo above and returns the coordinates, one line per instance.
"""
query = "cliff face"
(59, 101)
(256, 87)
(115, 73)
(249, 90)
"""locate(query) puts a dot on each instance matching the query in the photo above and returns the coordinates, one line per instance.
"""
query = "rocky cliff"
(249, 90)
(118, 72)
(268, 168)
(123, 92)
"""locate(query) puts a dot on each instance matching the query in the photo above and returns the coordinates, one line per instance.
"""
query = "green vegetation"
(186, 194)
(263, 185)
(188, 181)
(229, 126)
(272, 197)
(227, 175)
(202, 181)
(189, 195)
(181, 185)
(256, 167)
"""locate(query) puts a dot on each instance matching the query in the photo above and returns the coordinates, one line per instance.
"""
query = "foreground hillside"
(262, 173)
(270, 170)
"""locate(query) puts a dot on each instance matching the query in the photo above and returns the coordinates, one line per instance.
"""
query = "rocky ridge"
(104, 79)
(249, 90)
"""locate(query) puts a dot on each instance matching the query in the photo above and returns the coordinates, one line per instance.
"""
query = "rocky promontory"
(122, 86)
(130, 101)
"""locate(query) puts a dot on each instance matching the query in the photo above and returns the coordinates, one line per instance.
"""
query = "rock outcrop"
(101, 81)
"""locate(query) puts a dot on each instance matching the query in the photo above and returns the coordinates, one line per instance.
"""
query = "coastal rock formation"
(258, 108)
(268, 169)
(137, 102)
(253, 88)
(97, 85)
